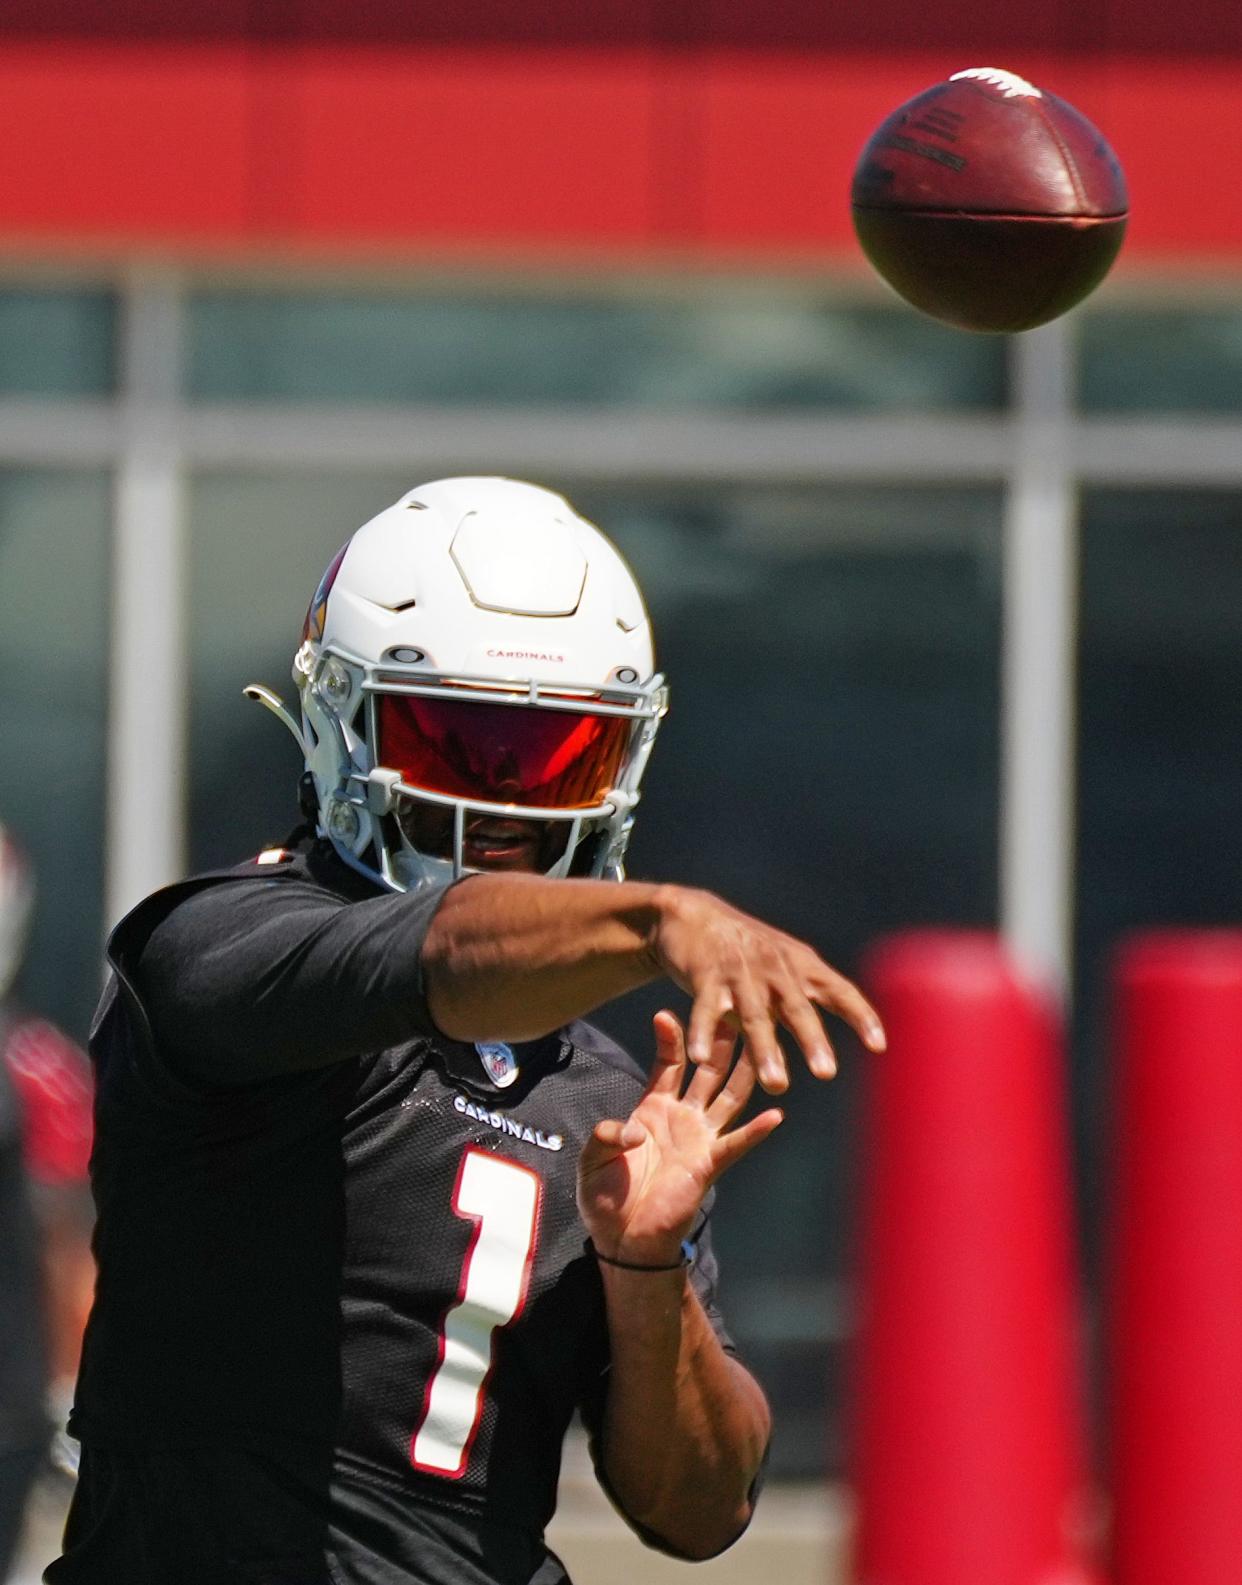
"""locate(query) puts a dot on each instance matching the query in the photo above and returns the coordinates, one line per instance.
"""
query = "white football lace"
(1010, 84)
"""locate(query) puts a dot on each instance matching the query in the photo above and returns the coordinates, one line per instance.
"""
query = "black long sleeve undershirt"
(253, 978)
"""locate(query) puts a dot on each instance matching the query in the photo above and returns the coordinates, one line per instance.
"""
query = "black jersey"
(368, 1263)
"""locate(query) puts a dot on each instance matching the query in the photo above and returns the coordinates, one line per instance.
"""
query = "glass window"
(1160, 723)
(56, 342)
(54, 559)
(727, 345)
(1141, 360)
(829, 762)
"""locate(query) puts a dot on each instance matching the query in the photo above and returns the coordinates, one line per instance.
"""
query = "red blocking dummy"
(967, 1425)
(1175, 1310)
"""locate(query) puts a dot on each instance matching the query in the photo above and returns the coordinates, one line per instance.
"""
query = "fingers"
(668, 1073)
(613, 1137)
(721, 1105)
(720, 1088)
(730, 1148)
(761, 1006)
(706, 1079)
(754, 1004)
(796, 985)
(842, 996)
(723, 1046)
(670, 1058)
(801, 1017)
(733, 1098)
(760, 980)
(712, 1006)
(632, 1133)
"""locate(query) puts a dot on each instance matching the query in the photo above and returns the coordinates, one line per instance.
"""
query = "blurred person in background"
(45, 1218)
(377, 1212)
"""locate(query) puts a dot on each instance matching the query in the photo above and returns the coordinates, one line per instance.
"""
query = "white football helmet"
(478, 689)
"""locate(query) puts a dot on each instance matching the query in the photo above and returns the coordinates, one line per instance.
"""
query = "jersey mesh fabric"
(278, 1258)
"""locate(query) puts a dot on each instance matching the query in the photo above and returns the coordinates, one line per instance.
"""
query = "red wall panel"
(148, 140)
(470, 145)
(409, 148)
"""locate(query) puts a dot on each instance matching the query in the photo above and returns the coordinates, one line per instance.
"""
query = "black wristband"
(633, 1265)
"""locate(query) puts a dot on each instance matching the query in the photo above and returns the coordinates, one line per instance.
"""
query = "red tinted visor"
(500, 753)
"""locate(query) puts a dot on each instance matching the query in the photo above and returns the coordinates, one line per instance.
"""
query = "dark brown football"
(988, 203)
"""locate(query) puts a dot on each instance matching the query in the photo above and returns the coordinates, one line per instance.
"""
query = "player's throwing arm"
(514, 956)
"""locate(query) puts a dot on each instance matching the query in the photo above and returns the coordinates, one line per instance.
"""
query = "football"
(989, 203)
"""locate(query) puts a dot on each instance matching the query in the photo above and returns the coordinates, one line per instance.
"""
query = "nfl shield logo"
(498, 1061)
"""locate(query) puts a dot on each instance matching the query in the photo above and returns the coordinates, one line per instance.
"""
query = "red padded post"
(967, 1460)
(1175, 1312)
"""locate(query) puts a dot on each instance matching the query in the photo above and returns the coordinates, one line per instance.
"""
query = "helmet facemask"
(423, 760)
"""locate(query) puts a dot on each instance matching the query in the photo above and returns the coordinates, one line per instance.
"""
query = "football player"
(45, 1218)
(377, 1211)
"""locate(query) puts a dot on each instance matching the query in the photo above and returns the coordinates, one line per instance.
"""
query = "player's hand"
(758, 979)
(641, 1182)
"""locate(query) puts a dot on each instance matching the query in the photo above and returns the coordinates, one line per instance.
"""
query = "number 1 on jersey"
(502, 1199)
